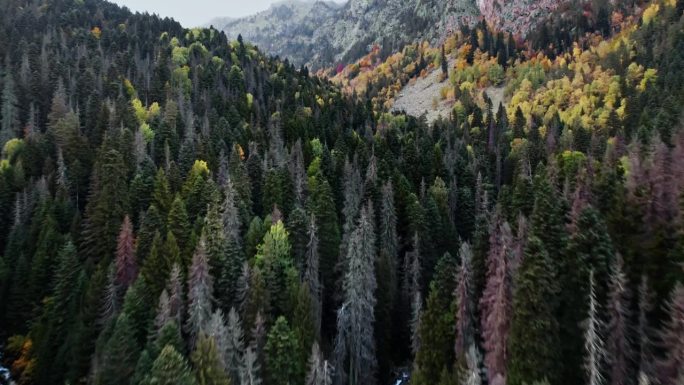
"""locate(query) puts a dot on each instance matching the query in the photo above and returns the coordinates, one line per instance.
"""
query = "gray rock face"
(323, 34)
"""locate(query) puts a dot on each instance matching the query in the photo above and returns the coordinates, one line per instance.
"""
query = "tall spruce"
(533, 341)
(495, 304)
(593, 339)
(619, 329)
(200, 287)
(355, 359)
(671, 366)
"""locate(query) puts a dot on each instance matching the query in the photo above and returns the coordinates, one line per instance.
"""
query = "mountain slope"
(320, 34)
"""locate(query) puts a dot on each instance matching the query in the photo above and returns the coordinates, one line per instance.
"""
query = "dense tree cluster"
(176, 208)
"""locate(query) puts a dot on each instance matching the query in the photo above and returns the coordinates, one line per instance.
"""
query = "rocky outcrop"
(323, 34)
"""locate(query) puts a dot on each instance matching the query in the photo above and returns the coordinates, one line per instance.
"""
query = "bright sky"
(192, 13)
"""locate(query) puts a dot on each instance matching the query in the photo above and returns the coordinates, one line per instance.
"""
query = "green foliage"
(284, 362)
(170, 368)
(208, 367)
(533, 342)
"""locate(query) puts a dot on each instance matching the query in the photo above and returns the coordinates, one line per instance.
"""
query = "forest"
(178, 208)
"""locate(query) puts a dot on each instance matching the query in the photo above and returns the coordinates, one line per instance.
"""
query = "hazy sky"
(192, 13)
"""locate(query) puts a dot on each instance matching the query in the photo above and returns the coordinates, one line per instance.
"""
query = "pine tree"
(355, 344)
(589, 248)
(9, 112)
(593, 339)
(436, 329)
(53, 330)
(235, 348)
(106, 206)
(275, 260)
(250, 375)
(619, 350)
(161, 195)
(170, 368)
(647, 367)
(126, 264)
(323, 208)
(179, 225)
(156, 266)
(312, 275)
(320, 372)
(200, 285)
(283, 362)
(353, 192)
(219, 332)
(671, 367)
(208, 367)
(120, 354)
(534, 331)
(495, 304)
(465, 328)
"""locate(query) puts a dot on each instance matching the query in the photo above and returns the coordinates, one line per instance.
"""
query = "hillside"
(181, 208)
(320, 34)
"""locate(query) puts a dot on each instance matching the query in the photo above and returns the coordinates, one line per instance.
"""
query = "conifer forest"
(178, 207)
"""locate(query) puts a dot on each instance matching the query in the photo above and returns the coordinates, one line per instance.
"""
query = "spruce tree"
(355, 344)
(106, 206)
(320, 372)
(436, 329)
(235, 346)
(126, 264)
(593, 339)
(200, 286)
(533, 341)
(495, 304)
(619, 330)
(120, 354)
(465, 321)
(283, 357)
(208, 367)
(170, 368)
(671, 367)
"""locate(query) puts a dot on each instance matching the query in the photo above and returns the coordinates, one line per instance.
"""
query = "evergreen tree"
(208, 367)
(533, 338)
(200, 285)
(436, 331)
(320, 372)
(283, 357)
(120, 354)
(53, 331)
(354, 344)
(170, 368)
(647, 367)
(179, 226)
(465, 327)
(250, 375)
(126, 264)
(593, 339)
(312, 275)
(106, 206)
(275, 260)
(619, 343)
(235, 347)
(495, 304)
(671, 367)
(9, 112)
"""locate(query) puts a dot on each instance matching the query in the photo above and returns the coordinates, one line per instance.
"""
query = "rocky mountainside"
(517, 16)
(325, 34)
(321, 34)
